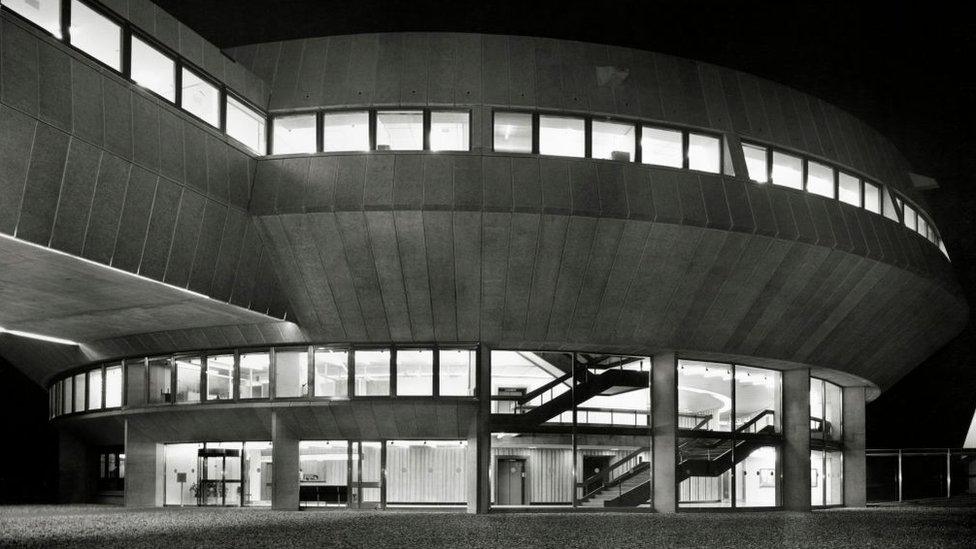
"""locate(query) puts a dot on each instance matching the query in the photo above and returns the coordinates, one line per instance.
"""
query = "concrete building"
(446, 269)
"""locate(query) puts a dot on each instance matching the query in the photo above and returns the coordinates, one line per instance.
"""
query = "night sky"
(906, 68)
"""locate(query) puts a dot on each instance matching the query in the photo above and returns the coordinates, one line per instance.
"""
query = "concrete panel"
(54, 97)
(77, 188)
(21, 81)
(15, 151)
(134, 222)
(106, 208)
(117, 102)
(159, 236)
(44, 175)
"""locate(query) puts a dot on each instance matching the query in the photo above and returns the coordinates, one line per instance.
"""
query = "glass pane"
(399, 131)
(160, 380)
(661, 147)
(758, 400)
(614, 471)
(909, 219)
(415, 372)
(614, 141)
(628, 404)
(756, 475)
(80, 392)
(181, 473)
(323, 472)
(372, 373)
(787, 170)
(188, 379)
(369, 471)
(220, 377)
(889, 208)
(331, 373)
(68, 396)
(255, 375)
(246, 125)
(96, 35)
(756, 163)
(562, 136)
(291, 373)
(513, 132)
(43, 13)
(833, 411)
(704, 396)
(704, 153)
(257, 473)
(457, 372)
(345, 131)
(531, 469)
(293, 134)
(153, 70)
(113, 386)
(523, 381)
(834, 472)
(200, 98)
(817, 425)
(923, 226)
(95, 389)
(872, 198)
(135, 382)
(820, 179)
(449, 131)
(817, 478)
(431, 472)
(704, 472)
(849, 189)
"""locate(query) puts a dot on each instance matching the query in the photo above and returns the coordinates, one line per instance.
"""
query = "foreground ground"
(97, 526)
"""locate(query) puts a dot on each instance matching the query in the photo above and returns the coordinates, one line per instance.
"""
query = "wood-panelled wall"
(549, 471)
(426, 474)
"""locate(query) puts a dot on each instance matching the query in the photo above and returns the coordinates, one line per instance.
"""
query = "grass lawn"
(99, 526)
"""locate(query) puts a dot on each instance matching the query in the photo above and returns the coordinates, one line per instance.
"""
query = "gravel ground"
(99, 526)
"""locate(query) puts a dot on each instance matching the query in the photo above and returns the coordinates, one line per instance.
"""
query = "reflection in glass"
(787, 170)
(704, 153)
(399, 130)
(95, 389)
(614, 140)
(160, 381)
(820, 179)
(255, 375)
(220, 377)
(849, 189)
(153, 70)
(704, 396)
(513, 132)
(291, 373)
(415, 372)
(372, 373)
(457, 372)
(756, 475)
(449, 131)
(96, 35)
(200, 98)
(661, 147)
(756, 163)
(246, 125)
(188, 379)
(345, 131)
(562, 136)
(43, 13)
(293, 134)
(331, 373)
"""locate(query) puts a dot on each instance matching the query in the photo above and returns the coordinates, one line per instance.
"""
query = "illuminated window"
(345, 131)
(661, 147)
(889, 208)
(331, 373)
(95, 389)
(849, 189)
(153, 70)
(80, 392)
(246, 125)
(756, 163)
(909, 217)
(704, 153)
(43, 13)
(96, 35)
(255, 375)
(372, 373)
(449, 131)
(562, 136)
(415, 372)
(513, 132)
(787, 171)
(200, 98)
(220, 377)
(188, 371)
(291, 373)
(399, 130)
(872, 198)
(293, 134)
(457, 372)
(113, 386)
(614, 141)
(820, 179)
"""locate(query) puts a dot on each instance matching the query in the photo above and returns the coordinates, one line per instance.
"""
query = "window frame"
(206, 79)
(428, 127)
(533, 129)
(231, 94)
(162, 50)
(67, 14)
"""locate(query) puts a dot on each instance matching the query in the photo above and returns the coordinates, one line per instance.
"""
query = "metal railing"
(907, 474)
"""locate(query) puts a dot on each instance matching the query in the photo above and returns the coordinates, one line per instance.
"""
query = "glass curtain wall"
(426, 472)
(826, 443)
(729, 423)
(217, 474)
(570, 429)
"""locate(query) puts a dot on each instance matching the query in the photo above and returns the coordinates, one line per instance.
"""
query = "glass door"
(367, 475)
(219, 476)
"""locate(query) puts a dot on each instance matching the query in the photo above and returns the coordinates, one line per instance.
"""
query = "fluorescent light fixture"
(41, 337)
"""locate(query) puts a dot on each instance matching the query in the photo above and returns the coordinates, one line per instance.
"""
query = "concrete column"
(478, 459)
(796, 440)
(664, 419)
(144, 467)
(284, 465)
(75, 469)
(855, 468)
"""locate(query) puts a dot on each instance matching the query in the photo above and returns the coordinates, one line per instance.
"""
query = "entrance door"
(511, 481)
(219, 478)
(594, 472)
(367, 475)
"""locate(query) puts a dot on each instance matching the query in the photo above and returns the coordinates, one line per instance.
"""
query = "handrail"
(754, 420)
(606, 473)
(539, 390)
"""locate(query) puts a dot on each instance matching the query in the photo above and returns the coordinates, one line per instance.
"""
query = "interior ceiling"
(54, 294)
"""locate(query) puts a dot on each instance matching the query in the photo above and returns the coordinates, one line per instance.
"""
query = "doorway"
(595, 470)
(510, 481)
(367, 475)
(219, 480)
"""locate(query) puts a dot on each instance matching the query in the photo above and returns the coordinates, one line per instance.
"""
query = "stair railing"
(605, 476)
(544, 394)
